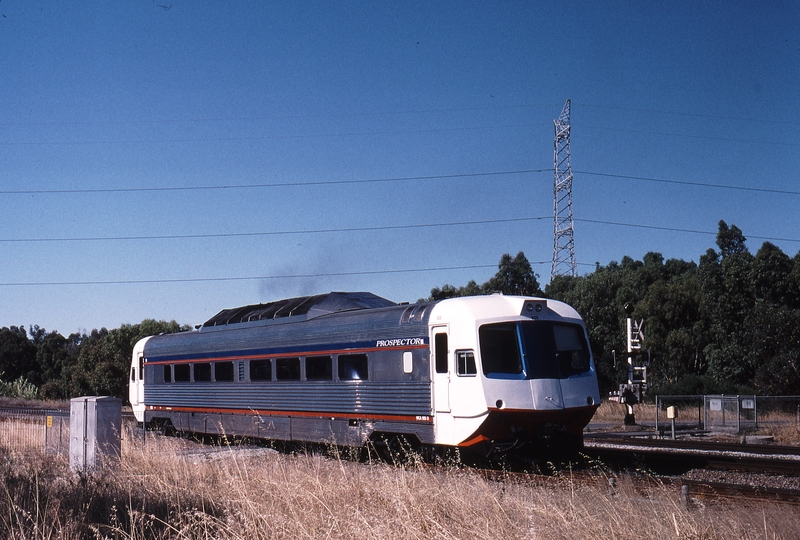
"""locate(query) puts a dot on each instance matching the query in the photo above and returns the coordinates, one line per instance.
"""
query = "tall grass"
(168, 488)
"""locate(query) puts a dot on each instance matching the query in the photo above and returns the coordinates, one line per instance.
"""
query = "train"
(486, 374)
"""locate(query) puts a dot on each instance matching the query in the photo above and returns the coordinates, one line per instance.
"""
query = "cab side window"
(465, 364)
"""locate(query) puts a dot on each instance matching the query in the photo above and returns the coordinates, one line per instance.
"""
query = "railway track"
(702, 489)
(707, 470)
(681, 454)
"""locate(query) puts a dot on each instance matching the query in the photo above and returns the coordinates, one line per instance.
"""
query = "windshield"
(533, 350)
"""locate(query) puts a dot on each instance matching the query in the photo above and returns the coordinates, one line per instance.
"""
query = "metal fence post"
(755, 412)
(705, 413)
(699, 402)
(657, 407)
(738, 414)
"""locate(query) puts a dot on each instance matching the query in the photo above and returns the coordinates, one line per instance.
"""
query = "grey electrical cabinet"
(94, 431)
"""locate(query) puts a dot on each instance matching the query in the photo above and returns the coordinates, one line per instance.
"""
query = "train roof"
(305, 307)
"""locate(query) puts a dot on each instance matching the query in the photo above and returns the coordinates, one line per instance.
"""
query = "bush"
(20, 388)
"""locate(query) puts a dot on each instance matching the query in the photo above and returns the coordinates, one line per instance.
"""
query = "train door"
(441, 370)
(441, 364)
(136, 390)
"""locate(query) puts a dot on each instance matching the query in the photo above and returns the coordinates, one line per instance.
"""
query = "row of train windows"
(350, 367)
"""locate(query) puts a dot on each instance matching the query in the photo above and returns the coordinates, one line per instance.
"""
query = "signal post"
(631, 393)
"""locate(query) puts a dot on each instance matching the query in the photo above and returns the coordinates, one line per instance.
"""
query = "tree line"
(728, 324)
(47, 365)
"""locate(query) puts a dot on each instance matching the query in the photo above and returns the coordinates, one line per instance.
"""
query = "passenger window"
(260, 370)
(182, 373)
(353, 367)
(287, 369)
(465, 363)
(223, 371)
(202, 372)
(440, 346)
(319, 368)
(167, 373)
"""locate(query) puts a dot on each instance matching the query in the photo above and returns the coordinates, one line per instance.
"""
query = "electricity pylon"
(563, 236)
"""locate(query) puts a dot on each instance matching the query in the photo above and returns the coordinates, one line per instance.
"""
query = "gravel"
(770, 481)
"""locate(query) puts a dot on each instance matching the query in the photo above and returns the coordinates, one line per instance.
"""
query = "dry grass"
(611, 411)
(783, 427)
(166, 489)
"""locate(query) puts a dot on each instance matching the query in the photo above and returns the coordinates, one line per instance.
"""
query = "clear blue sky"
(389, 146)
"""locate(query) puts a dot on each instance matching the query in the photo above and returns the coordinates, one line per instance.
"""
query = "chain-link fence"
(730, 414)
(735, 414)
(41, 430)
(34, 430)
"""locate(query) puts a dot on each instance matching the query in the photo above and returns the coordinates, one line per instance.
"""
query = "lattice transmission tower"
(563, 237)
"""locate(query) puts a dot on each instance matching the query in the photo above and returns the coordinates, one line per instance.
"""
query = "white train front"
(489, 373)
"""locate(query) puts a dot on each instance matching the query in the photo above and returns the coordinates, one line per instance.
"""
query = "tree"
(727, 298)
(17, 353)
(597, 298)
(514, 277)
(731, 322)
(771, 277)
(676, 334)
(51, 356)
(730, 240)
(101, 367)
(773, 334)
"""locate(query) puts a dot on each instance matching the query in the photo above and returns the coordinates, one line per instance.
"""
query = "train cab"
(505, 380)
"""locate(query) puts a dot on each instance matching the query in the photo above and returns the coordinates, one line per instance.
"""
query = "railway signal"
(631, 393)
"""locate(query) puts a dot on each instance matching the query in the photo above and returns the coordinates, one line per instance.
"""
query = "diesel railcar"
(487, 373)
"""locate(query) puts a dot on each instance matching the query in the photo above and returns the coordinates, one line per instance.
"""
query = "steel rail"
(672, 455)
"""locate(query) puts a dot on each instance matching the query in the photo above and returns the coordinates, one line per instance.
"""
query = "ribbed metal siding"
(344, 398)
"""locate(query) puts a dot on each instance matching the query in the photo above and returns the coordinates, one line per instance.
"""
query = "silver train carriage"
(487, 373)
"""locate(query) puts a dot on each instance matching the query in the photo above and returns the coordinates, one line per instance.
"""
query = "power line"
(675, 229)
(368, 229)
(687, 183)
(264, 137)
(256, 278)
(367, 272)
(391, 113)
(369, 134)
(260, 186)
(274, 117)
(244, 278)
(384, 180)
(692, 136)
(271, 233)
(691, 115)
